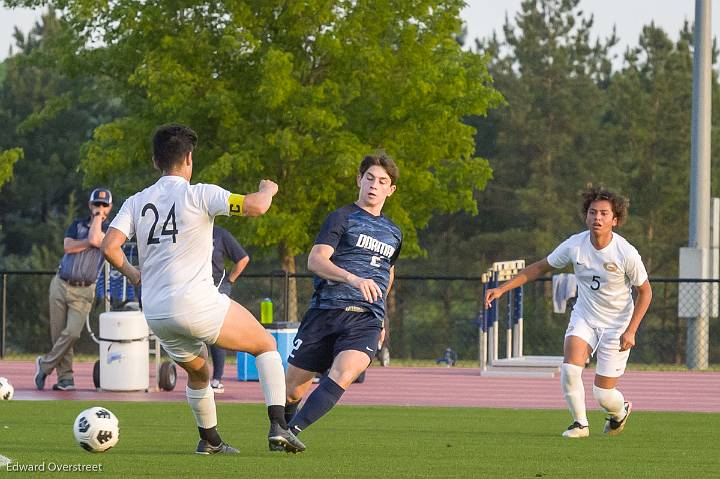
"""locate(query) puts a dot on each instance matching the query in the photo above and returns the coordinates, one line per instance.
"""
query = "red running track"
(453, 387)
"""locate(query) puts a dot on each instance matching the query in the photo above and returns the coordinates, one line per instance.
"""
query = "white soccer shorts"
(183, 336)
(611, 362)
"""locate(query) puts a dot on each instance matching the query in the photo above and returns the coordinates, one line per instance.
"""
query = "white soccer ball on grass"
(6, 389)
(96, 429)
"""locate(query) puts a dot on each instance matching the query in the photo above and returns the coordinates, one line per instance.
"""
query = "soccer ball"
(96, 429)
(6, 390)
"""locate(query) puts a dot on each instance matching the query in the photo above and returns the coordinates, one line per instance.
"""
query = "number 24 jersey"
(172, 221)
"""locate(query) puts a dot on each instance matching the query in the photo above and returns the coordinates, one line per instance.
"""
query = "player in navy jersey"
(353, 260)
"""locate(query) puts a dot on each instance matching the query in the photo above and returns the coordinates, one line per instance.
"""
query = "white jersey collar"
(602, 250)
(173, 178)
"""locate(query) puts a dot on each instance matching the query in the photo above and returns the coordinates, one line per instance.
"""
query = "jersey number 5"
(165, 231)
(595, 283)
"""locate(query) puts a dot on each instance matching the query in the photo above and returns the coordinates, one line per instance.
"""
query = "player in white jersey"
(172, 221)
(604, 319)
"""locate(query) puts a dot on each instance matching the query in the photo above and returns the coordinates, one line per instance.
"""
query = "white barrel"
(124, 351)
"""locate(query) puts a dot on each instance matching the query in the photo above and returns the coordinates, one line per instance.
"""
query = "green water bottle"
(266, 311)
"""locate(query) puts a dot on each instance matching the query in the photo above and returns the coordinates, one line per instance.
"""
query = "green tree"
(648, 140)
(543, 144)
(8, 158)
(297, 92)
(47, 114)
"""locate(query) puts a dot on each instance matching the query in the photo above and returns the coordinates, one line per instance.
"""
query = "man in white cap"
(72, 290)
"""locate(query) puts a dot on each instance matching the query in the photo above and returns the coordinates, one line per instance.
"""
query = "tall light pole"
(698, 327)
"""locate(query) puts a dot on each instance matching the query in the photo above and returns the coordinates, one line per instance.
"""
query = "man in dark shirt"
(224, 246)
(72, 290)
(353, 260)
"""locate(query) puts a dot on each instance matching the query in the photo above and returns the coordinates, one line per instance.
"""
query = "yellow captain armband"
(236, 203)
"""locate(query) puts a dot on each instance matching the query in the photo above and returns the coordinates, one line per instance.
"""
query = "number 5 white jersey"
(172, 221)
(604, 278)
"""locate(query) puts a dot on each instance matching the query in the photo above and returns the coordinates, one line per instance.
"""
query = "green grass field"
(157, 440)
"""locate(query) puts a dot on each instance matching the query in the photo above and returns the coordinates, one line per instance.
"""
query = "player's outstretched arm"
(320, 264)
(111, 248)
(526, 275)
(257, 204)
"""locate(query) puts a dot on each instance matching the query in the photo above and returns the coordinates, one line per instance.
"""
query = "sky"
(484, 16)
(629, 16)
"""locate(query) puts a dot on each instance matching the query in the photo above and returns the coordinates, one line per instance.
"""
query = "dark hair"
(171, 144)
(619, 203)
(381, 159)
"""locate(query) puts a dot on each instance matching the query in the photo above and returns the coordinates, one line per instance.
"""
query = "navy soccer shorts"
(325, 333)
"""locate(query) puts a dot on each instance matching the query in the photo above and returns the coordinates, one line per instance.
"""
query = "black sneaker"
(613, 427)
(205, 448)
(40, 376)
(280, 439)
(64, 385)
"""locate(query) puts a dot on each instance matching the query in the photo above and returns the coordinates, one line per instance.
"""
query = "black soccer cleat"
(276, 447)
(205, 448)
(280, 439)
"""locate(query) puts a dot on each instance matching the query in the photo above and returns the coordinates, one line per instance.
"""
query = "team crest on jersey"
(610, 266)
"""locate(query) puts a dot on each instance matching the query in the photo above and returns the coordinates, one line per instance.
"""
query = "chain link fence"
(425, 316)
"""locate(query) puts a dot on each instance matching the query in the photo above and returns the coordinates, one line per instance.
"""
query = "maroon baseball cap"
(101, 195)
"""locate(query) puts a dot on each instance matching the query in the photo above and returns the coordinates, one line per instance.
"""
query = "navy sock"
(327, 394)
(290, 410)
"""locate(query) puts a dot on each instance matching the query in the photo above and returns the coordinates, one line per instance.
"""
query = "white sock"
(272, 377)
(611, 400)
(202, 403)
(574, 391)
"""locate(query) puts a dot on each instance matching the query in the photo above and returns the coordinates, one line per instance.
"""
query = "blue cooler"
(284, 334)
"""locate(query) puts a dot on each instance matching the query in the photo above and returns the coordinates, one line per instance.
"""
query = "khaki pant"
(69, 310)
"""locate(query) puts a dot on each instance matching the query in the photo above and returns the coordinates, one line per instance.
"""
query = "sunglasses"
(98, 203)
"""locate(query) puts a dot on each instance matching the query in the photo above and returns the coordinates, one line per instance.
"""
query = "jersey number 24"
(151, 239)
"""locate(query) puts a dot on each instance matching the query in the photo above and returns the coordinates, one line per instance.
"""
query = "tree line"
(495, 137)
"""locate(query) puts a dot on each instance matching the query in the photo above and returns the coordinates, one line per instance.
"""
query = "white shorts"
(611, 362)
(184, 336)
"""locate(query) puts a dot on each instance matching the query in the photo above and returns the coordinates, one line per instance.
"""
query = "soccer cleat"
(276, 447)
(577, 430)
(205, 448)
(613, 427)
(280, 439)
(40, 376)
(64, 385)
(217, 386)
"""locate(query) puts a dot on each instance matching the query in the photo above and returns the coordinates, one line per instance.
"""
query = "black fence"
(425, 315)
